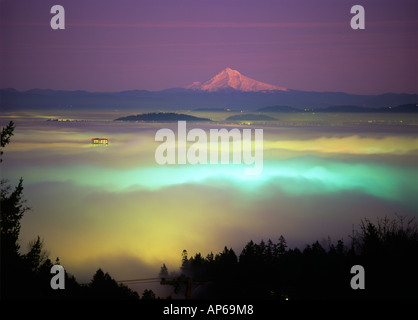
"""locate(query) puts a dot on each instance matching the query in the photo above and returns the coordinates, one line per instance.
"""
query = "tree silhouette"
(36, 256)
(103, 286)
(388, 250)
(6, 134)
(163, 272)
(148, 295)
(281, 246)
(12, 210)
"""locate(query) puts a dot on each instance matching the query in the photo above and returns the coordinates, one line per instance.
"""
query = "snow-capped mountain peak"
(232, 79)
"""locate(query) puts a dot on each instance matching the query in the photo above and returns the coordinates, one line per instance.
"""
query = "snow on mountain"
(232, 79)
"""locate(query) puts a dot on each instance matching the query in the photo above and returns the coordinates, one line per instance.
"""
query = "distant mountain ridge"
(183, 99)
(229, 89)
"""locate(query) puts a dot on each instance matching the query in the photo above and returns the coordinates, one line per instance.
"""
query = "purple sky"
(154, 45)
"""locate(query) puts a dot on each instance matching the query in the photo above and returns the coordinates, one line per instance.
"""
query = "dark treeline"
(387, 249)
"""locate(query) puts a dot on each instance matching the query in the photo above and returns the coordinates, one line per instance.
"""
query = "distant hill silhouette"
(250, 117)
(404, 108)
(279, 109)
(213, 109)
(407, 108)
(181, 99)
(162, 117)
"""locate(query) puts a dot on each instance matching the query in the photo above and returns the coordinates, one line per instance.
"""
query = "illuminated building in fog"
(103, 140)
